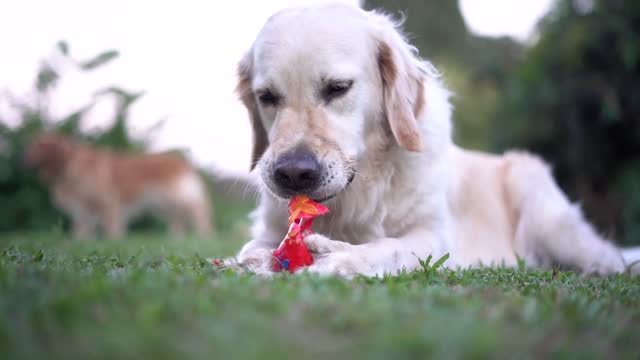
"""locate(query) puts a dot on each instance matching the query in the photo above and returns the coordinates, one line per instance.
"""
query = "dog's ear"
(243, 89)
(403, 90)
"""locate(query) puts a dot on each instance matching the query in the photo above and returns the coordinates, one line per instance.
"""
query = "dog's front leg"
(82, 226)
(113, 223)
(375, 258)
(269, 228)
(256, 255)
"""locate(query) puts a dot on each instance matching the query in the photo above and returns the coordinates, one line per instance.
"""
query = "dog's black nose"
(297, 171)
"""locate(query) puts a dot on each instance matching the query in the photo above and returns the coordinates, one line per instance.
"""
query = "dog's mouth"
(329, 197)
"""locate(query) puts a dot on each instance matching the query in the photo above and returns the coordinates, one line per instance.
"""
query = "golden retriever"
(99, 187)
(344, 111)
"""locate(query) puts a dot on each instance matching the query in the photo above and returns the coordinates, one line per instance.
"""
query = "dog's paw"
(609, 262)
(321, 245)
(605, 269)
(259, 262)
(342, 263)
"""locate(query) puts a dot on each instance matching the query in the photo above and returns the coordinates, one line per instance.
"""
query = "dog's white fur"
(414, 193)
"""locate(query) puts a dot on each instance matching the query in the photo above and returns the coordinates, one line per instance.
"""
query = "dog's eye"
(268, 98)
(336, 89)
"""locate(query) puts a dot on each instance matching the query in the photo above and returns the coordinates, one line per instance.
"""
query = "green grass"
(150, 297)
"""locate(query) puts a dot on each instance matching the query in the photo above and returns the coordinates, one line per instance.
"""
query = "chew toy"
(292, 253)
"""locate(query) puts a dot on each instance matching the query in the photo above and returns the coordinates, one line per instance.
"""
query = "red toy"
(292, 253)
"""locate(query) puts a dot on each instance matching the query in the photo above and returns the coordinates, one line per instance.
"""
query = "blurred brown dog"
(99, 187)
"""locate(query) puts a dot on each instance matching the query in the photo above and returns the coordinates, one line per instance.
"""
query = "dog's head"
(323, 86)
(47, 153)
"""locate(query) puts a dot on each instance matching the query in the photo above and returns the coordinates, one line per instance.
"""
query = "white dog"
(345, 112)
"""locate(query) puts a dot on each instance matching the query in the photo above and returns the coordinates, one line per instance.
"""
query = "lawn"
(150, 297)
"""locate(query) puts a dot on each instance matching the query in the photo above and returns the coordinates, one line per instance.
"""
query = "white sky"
(183, 54)
(504, 17)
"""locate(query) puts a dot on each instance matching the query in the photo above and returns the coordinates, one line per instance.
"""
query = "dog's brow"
(261, 84)
(262, 87)
(325, 78)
